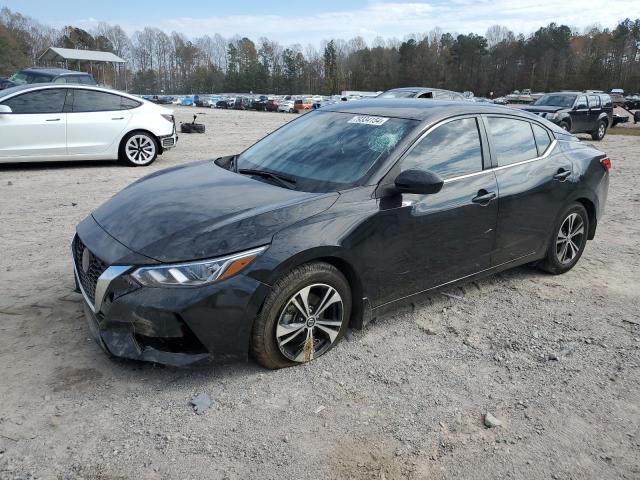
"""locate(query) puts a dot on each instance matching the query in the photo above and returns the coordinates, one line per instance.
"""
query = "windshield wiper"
(283, 180)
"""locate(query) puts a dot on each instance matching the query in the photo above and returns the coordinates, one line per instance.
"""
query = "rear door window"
(128, 103)
(94, 101)
(581, 103)
(594, 101)
(451, 150)
(542, 138)
(49, 100)
(606, 101)
(512, 140)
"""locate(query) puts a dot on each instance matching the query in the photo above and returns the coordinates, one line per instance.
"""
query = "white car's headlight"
(197, 273)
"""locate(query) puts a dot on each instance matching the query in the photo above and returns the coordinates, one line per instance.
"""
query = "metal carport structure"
(62, 56)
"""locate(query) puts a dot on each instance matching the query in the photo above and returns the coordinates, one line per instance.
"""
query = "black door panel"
(531, 195)
(428, 240)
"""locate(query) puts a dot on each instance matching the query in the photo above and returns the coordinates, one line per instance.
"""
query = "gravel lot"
(555, 359)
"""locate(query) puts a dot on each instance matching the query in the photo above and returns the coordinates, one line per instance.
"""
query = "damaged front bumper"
(173, 326)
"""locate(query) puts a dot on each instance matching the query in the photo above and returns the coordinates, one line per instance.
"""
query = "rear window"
(94, 101)
(511, 140)
(606, 101)
(542, 138)
(128, 103)
(594, 101)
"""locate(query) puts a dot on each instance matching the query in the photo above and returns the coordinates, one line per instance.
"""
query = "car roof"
(40, 86)
(418, 89)
(53, 71)
(421, 110)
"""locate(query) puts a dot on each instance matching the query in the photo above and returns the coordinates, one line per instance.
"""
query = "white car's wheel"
(139, 149)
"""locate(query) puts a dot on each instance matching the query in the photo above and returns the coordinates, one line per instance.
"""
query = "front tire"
(599, 133)
(568, 240)
(565, 126)
(304, 316)
(138, 149)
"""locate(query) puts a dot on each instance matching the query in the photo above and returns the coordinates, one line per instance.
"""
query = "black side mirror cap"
(421, 182)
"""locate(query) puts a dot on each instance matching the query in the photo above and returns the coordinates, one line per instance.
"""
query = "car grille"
(168, 142)
(89, 278)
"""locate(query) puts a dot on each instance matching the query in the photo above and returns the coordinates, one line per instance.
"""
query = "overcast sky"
(311, 22)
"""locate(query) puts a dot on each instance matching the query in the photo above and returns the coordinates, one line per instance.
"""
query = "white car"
(54, 122)
(286, 106)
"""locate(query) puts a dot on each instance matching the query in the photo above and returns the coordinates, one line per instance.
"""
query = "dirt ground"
(555, 359)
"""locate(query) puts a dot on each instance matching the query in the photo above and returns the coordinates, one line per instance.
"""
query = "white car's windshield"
(327, 151)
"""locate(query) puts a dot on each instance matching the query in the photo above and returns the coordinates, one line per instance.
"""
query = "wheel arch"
(592, 214)
(566, 119)
(141, 130)
(336, 257)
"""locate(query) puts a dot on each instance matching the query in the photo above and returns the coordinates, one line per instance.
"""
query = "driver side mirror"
(421, 182)
(5, 109)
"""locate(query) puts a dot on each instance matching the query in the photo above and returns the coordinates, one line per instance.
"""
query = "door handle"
(562, 175)
(53, 119)
(483, 197)
(118, 118)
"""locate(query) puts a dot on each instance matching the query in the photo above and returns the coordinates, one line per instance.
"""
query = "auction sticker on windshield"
(368, 120)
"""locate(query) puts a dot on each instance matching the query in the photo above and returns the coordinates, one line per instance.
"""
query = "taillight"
(168, 118)
(606, 163)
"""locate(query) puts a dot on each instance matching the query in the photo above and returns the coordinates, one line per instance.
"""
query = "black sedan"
(312, 230)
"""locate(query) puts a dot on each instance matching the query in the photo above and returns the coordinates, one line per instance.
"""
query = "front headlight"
(198, 273)
(551, 116)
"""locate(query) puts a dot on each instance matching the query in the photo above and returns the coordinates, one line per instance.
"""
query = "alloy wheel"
(570, 238)
(140, 149)
(310, 322)
(601, 130)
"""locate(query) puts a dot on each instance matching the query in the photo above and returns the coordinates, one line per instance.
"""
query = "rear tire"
(599, 133)
(568, 240)
(138, 149)
(283, 334)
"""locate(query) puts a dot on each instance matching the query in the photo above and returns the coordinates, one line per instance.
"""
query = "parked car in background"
(242, 103)
(226, 102)
(632, 102)
(518, 96)
(6, 83)
(272, 105)
(203, 101)
(422, 92)
(165, 100)
(617, 97)
(576, 112)
(187, 101)
(259, 103)
(301, 105)
(286, 106)
(324, 223)
(53, 75)
(60, 122)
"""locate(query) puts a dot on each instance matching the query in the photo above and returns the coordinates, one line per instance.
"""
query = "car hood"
(543, 108)
(201, 210)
